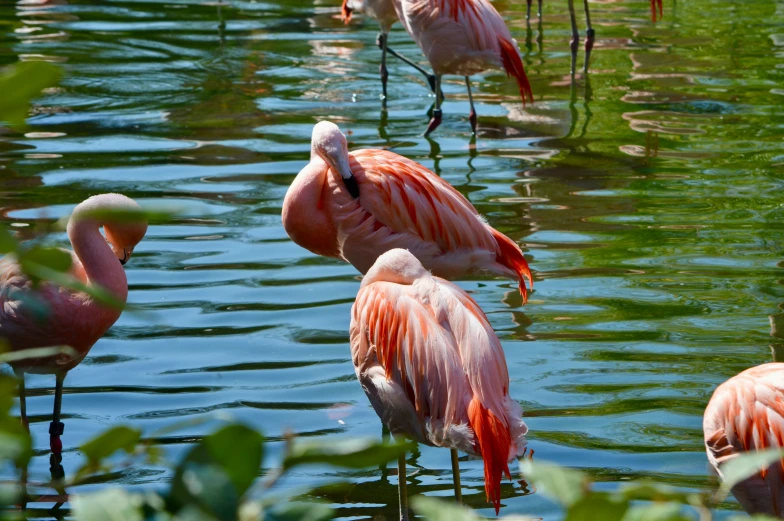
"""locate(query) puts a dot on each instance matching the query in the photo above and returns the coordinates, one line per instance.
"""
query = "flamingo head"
(397, 265)
(126, 229)
(329, 143)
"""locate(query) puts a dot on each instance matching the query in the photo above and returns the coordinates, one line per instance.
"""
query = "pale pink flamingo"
(433, 368)
(382, 11)
(462, 37)
(73, 318)
(355, 206)
(746, 413)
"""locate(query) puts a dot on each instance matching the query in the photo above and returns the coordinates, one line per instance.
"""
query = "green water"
(648, 198)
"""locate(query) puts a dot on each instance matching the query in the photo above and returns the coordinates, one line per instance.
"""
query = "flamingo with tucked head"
(745, 414)
(356, 206)
(433, 368)
(73, 318)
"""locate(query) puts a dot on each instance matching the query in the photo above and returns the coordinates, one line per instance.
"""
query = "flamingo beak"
(341, 166)
(126, 256)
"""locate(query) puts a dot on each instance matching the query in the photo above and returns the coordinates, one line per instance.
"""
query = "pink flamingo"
(746, 413)
(462, 37)
(433, 369)
(357, 206)
(384, 12)
(73, 318)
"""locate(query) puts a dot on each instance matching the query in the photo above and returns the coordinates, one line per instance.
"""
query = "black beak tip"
(123, 261)
(352, 186)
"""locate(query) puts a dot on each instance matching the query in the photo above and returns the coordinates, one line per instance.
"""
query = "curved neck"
(100, 263)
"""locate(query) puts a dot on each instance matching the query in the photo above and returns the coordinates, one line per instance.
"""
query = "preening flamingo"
(384, 12)
(355, 206)
(746, 413)
(433, 368)
(462, 37)
(73, 318)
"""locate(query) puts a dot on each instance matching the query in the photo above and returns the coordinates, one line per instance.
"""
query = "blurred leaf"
(15, 443)
(746, 465)
(434, 509)
(37, 352)
(9, 494)
(355, 453)
(218, 471)
(7, 242)
(564, 485)
(595, 506)
(642, 490)
(656, 512)
(298, 511)
(755, 517)
(52, 258)
(22, 82)
(110, 441)
(67, 281)
(111, 504)
(239, 450)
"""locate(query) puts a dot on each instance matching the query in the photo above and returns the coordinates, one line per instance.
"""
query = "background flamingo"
(384, 12)
(357, 206)
(433, 368)
(73, 318)
(462, 37)
(746, 413)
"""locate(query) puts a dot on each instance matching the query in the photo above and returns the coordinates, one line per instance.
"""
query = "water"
(647, 197)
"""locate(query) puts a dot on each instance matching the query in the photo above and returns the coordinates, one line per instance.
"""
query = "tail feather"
(513, 66)
(654, 5)
(494, 441)
(345, 11)
(511, 256)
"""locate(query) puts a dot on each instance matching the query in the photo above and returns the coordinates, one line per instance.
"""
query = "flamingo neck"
(99, 261)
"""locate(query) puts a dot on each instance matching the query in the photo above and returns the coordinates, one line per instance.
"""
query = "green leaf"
(755, 517)
(355, 453)
(52, 258)
(434, 509)
(7, 242)
(656, 512)
(113, 504)
(298, 511)
(646, 491)
(15, 443)
(595, 506)
(746, 465)
(110, 441)
(218, 471)
(67, 281)
(37, 352)
(564, 485)
(22, 82)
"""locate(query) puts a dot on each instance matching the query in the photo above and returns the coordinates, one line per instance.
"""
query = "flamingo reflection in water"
(434, 369)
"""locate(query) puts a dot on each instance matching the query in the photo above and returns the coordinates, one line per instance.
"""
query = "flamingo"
(73, 318)
(384, 12)
(746, 413)
(356, 206)
(462, 37)
(433, 369)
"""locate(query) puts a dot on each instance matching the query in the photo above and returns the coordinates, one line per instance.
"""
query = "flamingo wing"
(746, 413)
(407, 362)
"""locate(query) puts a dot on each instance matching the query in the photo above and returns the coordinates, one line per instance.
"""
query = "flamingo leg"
(575, 41)
(431, 79)
(401, 487)
(456, 476)
(22, 400)
(436, 120)
(382, 38)
(472, 114)
(590, 34)
(56, 427)
(540, 9)
(528, 9)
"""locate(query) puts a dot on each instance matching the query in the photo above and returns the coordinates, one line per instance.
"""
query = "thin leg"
(22, 400)
(540, 9)
(575, 41)
(472, 114)
(384, 73)
(431, 79)
(528, 9)
(436, 120)
(589, 36)
(401, 487)
(456, 477)
(56, 427)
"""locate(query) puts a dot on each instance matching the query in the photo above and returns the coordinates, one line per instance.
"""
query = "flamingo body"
(401, 204)
(746, 413)
(463, 37)
(51, 315)
(432, 367)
